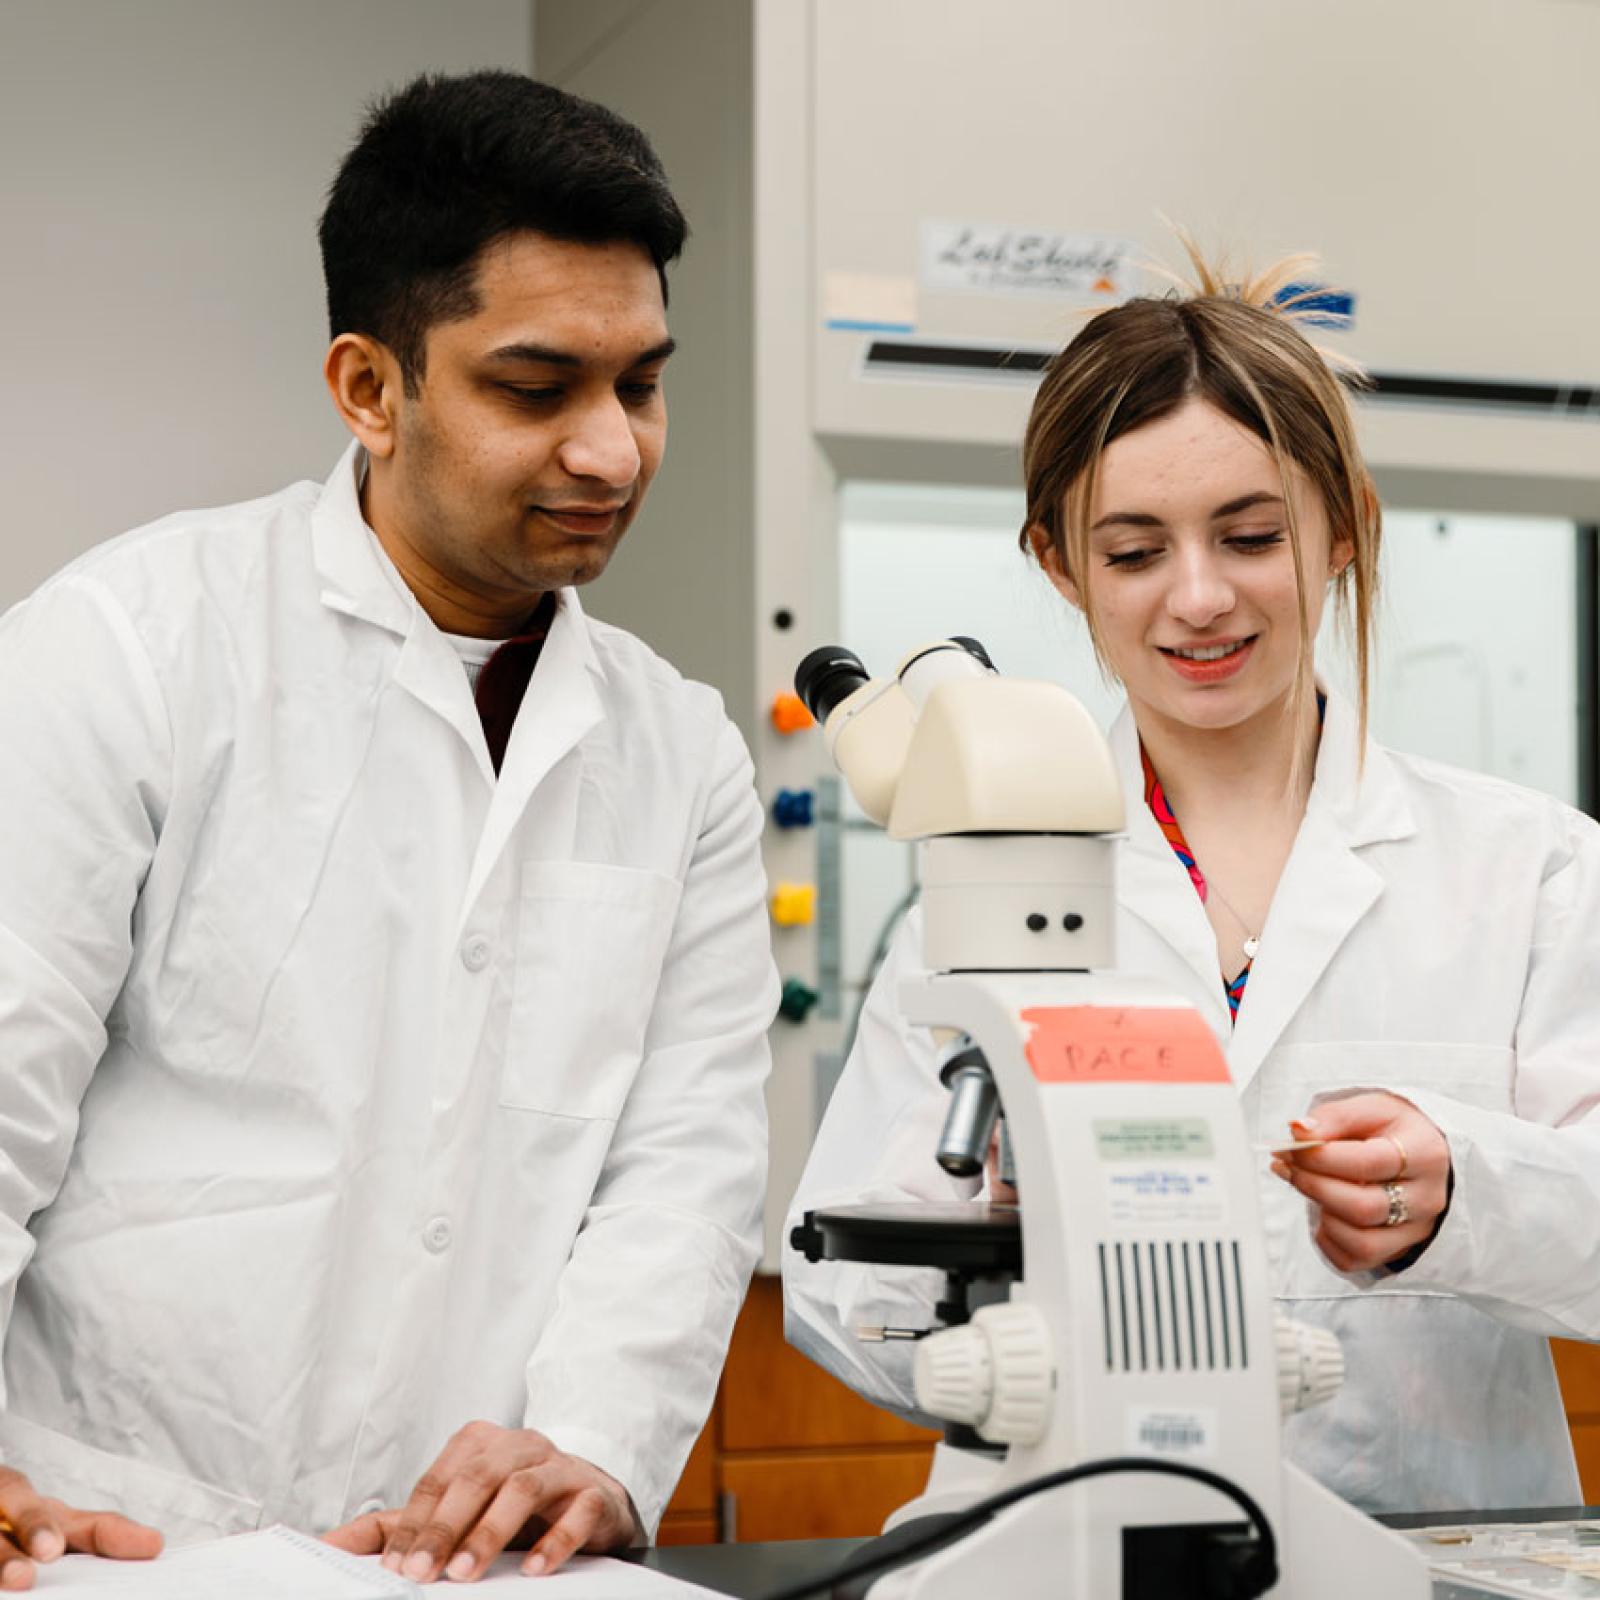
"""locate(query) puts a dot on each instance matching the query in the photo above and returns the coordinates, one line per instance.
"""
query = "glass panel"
(1477, 660)
(919, 563)
(1476, 664)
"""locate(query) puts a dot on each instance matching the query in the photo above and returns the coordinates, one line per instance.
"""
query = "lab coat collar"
(359, 580)
(561, 704)
(355, 575)
(1325, 891)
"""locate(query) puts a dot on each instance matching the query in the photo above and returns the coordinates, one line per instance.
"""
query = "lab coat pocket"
(1295, 1077)
(183, 1509)
(590, 946)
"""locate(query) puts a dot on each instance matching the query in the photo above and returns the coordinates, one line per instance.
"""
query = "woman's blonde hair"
(1237, 346)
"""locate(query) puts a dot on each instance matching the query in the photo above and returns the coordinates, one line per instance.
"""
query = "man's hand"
(1001, 1193)
(1382, 1158)
(488, 1486)
(35, 1529)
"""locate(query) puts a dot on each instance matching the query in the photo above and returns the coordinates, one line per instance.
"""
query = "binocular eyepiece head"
(832, 674)
(826, 677)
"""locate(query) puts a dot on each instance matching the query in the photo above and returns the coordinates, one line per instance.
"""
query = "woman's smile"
(1210, 663)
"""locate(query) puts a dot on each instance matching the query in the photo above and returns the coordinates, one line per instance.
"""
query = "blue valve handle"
(794, 808)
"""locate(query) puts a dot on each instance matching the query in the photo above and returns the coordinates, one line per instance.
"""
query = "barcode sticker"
(1167, 1431)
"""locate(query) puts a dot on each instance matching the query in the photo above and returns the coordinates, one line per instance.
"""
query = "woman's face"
(1190, 572)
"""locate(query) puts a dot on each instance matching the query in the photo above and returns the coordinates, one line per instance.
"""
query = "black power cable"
(880, 952)
(1254, 1568)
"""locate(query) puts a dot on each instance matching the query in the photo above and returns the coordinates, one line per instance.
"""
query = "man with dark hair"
(383, 967)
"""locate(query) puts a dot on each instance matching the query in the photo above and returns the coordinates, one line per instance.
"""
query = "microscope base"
(1327, 1550)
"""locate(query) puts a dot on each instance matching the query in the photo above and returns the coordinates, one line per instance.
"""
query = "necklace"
(1166, 819)
(1252, 942)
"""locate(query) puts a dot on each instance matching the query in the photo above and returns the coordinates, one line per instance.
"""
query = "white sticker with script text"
(992, 258)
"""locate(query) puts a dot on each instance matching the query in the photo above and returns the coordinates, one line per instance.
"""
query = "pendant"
(1251, 945)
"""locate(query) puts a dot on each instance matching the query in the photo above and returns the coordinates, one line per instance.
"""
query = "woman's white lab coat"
(1435, 933)
(348, 1094)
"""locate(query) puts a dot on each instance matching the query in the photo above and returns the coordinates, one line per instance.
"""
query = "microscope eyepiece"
(826, 676)
(972, 647)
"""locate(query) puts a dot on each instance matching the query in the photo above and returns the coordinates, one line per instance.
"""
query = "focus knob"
(994, 1374)
(1019, 1346)
(954, 1376)
(1310, 1365)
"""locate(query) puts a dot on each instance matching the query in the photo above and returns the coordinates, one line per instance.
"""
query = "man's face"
(536, 429)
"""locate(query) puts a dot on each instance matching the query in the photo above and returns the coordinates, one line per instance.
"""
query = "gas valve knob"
(792, 808)
(797, 999)
(789, 714)
(794, 905)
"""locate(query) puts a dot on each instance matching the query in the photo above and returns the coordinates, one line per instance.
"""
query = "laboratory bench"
(791, 1454)
(748, 1571)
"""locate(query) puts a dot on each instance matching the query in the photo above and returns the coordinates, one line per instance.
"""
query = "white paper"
(273, 1564)
(281, 1564)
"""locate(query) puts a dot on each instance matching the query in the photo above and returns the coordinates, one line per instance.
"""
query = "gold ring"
(1399, 1211)
(1403, 1162)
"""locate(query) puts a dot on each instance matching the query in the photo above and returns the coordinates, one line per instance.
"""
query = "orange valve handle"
(789, 714)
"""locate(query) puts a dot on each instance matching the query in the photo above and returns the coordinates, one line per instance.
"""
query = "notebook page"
(270, 1565)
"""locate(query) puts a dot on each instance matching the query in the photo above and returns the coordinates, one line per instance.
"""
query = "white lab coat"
(1435, 933)
(346, 1093)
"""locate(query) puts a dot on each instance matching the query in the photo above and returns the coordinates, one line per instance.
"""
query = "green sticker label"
(1140, 1138)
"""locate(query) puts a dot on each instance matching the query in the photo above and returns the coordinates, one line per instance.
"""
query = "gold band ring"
(1399, 1211)
(1401, 1150)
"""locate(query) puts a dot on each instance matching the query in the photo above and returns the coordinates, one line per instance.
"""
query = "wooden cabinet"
(791, 1453)
(1578, 1367)
(692, 1516)
(819, 1494)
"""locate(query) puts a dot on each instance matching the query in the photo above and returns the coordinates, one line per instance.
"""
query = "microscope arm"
(875, 1145)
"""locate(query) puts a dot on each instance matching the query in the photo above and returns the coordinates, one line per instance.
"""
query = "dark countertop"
(748, 1571)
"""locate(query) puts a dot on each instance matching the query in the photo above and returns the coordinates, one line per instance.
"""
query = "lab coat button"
(367, 1507)
(438, 1234)
(475, 953)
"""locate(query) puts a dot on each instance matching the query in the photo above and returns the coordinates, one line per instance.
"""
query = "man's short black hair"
(447, 164)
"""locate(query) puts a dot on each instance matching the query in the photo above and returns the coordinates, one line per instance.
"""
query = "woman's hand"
(1380, 1179)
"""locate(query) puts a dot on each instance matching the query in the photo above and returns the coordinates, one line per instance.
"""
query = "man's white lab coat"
(1435, 933)
(347, 1094)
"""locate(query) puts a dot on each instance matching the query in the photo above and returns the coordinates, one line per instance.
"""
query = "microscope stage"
(958, 1237)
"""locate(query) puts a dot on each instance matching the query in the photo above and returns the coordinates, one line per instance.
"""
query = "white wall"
(680, 69)
(162, 167)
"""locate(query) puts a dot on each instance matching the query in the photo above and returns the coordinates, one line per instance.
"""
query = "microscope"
(1109, 1342)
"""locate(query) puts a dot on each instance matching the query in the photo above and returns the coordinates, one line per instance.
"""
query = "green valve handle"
(797, 999)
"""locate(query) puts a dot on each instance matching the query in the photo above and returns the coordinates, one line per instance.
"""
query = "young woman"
(1402, 959)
